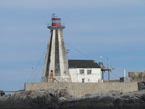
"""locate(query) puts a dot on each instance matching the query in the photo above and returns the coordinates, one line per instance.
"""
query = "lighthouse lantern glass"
(56, 22)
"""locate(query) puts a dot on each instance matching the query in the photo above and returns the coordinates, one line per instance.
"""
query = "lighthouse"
(56, 61)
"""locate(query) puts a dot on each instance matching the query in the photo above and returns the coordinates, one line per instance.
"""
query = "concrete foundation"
(107, 81)
(81, 89)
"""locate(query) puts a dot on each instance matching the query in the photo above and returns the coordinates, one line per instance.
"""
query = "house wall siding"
(95, 76)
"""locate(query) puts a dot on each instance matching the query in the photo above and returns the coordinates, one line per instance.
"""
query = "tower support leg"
(108, 75)
(102, 75)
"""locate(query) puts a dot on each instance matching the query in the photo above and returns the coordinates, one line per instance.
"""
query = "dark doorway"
(83, 80)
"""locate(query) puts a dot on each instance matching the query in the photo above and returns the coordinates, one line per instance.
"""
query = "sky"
(113, 29)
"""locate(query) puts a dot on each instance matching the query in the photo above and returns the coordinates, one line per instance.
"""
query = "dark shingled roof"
(83, 64)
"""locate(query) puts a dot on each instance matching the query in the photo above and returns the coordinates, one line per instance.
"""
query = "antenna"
(124, 73)
(53, 15)
(107, 62)
(67, 51)
(101, 58)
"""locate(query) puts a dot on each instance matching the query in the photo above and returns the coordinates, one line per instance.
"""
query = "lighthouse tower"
(56, 61)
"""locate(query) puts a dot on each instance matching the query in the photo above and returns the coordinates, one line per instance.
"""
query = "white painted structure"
(56, 62)
(58, 68)
(84, 71)
(77, 76)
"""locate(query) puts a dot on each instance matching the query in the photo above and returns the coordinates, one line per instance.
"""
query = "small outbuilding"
(2, 93)
(84, 71)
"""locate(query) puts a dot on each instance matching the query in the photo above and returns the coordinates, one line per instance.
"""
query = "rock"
(61, 99)
(107, 99)
(56, 99)
(118, 101)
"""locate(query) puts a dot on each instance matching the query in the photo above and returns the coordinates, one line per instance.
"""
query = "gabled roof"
(83, 64)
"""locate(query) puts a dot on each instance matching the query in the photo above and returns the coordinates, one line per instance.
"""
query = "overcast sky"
(113, 29)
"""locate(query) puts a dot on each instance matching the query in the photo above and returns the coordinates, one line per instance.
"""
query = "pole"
(108, 75)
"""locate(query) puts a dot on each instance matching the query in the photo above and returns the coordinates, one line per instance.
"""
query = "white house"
(84, 71)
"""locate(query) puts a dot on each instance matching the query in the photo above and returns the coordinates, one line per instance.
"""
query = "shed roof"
(83, 64)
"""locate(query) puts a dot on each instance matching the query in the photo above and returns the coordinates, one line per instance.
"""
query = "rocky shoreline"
(50, 99)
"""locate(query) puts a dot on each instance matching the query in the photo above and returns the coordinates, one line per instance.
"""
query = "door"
(83, 80)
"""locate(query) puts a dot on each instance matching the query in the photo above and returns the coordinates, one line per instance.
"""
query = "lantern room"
(56, 21)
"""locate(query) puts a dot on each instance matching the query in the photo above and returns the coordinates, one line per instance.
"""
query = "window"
(81, 71)
(89, 72)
